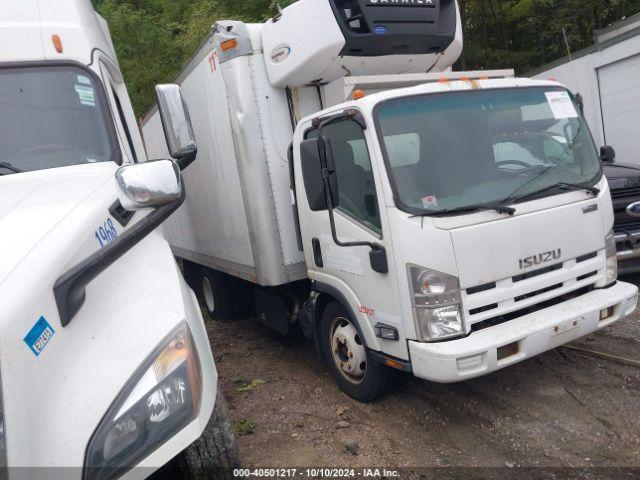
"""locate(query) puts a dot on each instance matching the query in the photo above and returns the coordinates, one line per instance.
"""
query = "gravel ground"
(561, 409)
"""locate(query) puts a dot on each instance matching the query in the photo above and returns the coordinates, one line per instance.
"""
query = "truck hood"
(33, 203)
(491, 251)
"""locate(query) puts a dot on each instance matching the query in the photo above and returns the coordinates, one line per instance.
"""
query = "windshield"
(51, 117)
(457, 150)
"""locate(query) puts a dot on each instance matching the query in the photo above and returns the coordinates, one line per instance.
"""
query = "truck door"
(348, 271)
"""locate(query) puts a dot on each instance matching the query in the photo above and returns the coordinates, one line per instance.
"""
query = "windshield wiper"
(498, 207)
(567, 186)
(8, 166)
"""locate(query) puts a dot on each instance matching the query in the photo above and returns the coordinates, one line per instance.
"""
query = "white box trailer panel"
(620, 104)
(224, 237)
(238, 188)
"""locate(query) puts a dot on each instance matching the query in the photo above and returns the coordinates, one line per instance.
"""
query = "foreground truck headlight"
(436, 304)
(612, 259)
(160, 399)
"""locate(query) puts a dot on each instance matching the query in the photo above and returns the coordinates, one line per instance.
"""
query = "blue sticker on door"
(39, 336)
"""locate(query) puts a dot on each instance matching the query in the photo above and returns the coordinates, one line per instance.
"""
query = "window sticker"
(86, 95)
(430, 201)
(561, 105)
(83, 80)
(39, 336)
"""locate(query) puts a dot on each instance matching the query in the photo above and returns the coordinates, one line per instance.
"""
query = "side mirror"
(176, 123)
(149, 184)
(607, 154)
(316, 161)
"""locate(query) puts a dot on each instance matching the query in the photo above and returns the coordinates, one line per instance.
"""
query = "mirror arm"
(187, 160)
(377, 255)
(70, 288)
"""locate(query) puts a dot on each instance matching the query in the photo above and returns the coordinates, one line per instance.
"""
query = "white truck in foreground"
(405, 216)
(105, 363)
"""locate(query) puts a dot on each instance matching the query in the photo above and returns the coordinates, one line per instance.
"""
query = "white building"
(607, 75)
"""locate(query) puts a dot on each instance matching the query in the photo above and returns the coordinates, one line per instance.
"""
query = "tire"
(191, 274)
(215, 454)
(215, 294)
(350, 363)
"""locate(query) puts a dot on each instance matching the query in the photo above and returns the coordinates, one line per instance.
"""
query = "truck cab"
(104, 359)
(465, 225)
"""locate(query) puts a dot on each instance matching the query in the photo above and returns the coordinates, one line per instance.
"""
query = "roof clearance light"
(228, 44)
(443, 80)
(358, 94)
(484, 77)
(57, 43)
(464, 78)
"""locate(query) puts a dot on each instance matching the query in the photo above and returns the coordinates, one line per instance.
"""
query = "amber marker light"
(57, 43)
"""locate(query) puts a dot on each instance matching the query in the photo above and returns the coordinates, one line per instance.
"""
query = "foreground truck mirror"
(313, 173)
(148, 185)
(153, 184)
(607, 154)
(176, 123)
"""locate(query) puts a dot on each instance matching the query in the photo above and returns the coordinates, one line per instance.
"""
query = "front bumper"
(497, 347)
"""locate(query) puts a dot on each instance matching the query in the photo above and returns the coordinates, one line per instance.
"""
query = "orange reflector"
(484, 77)
(443, 80)
(394, 364)
(552, 79)
(464, 78)
(358, 94)
(57, 43)
(228, 44)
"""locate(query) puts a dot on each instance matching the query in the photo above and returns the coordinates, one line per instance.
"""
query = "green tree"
(154, 38)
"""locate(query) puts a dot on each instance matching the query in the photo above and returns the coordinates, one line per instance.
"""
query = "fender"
(321, 295)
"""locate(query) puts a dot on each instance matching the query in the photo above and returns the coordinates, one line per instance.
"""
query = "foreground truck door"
(347, 253)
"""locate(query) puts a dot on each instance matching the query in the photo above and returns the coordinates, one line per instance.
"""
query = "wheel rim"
(207, 294)
(349, 354)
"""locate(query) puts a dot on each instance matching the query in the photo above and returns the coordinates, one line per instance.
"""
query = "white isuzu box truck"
(404, 216)
(104, 358)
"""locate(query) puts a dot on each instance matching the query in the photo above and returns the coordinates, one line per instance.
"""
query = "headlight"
(161, 398)
(611, 274)
(436, 304)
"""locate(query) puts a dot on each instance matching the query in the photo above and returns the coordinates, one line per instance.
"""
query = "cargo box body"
(238, 216)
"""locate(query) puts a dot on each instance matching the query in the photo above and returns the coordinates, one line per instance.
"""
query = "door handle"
(317, 253)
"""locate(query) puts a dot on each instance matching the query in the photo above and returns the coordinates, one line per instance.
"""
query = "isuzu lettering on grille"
(540, 258)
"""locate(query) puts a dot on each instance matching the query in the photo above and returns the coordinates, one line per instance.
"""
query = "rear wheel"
(351, 365)
(214, 292)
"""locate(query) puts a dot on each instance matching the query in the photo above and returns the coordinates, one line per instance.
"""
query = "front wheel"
(215, 454)
(351, 365)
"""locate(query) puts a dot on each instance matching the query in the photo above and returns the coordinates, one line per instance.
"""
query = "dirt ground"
(565, 408)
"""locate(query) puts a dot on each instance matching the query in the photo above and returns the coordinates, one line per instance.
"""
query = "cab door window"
(356, 185)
